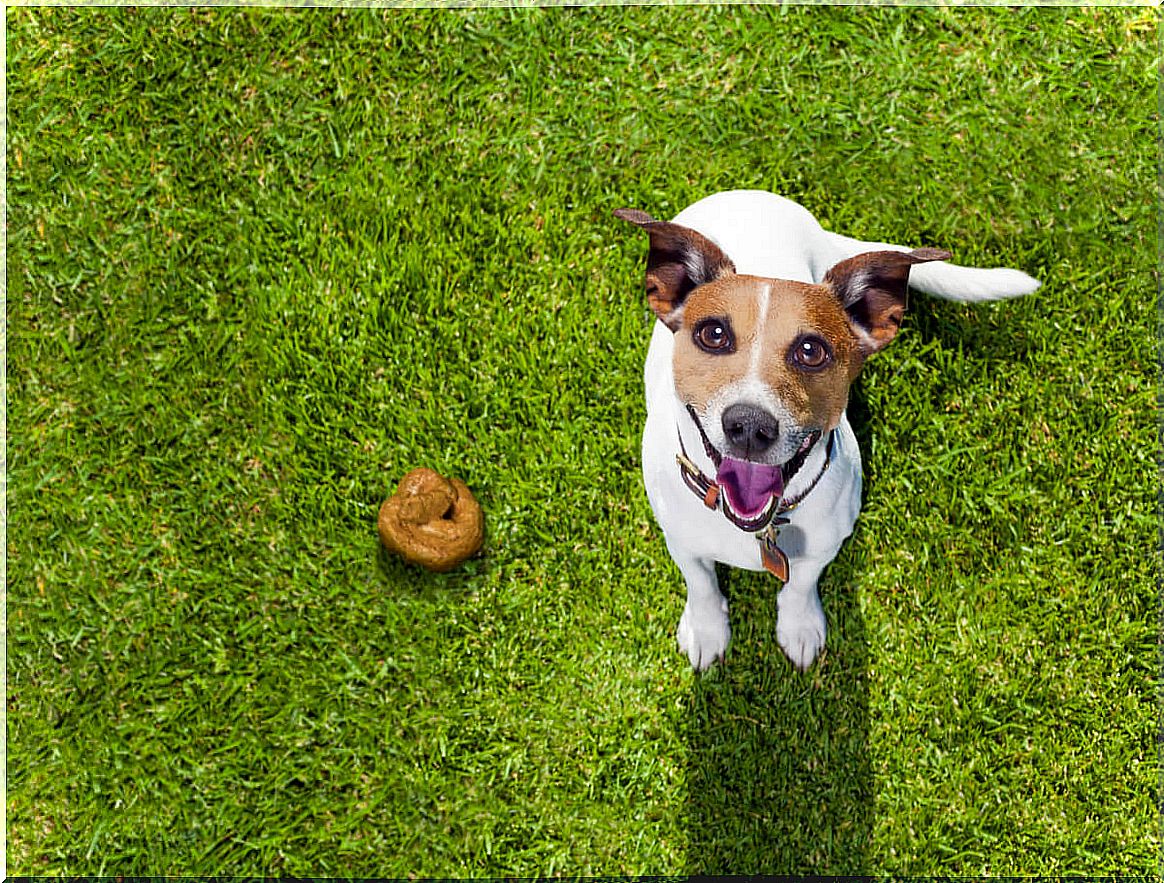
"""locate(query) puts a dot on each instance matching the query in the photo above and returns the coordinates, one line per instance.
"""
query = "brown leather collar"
(708, 489)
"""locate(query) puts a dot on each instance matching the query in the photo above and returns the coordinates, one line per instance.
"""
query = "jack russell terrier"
(764, 320)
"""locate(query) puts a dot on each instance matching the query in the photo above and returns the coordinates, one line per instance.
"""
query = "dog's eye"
(714, 336)
(811, 353)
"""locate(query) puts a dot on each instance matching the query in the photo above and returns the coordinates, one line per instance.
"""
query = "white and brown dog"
(764, 320)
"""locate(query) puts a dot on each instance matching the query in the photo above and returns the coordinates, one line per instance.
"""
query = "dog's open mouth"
(753, 490)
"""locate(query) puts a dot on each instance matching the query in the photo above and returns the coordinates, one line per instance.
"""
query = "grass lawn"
(262, 262)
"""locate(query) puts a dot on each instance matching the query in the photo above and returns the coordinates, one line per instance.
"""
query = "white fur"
(768, 235)
(757, 354)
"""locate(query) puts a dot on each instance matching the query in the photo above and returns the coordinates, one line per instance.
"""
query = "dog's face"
(751, 351)
(765, 365)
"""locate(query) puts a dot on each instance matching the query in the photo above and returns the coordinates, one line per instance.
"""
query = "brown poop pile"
(432, 521)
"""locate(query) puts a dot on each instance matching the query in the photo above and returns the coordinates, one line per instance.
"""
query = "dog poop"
(432, 521)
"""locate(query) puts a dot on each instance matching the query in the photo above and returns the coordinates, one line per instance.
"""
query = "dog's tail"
(941, 279)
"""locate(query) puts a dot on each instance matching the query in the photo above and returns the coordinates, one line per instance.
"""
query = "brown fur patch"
(815, 399)
(699, 375)
(872, 288)
(826, 391)
(679, 261)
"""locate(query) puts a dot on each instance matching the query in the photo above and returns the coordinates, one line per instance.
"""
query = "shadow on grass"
(779, 776)
(977, 334)
(417, 582)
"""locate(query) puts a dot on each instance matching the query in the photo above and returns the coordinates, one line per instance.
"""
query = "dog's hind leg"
(703, 631)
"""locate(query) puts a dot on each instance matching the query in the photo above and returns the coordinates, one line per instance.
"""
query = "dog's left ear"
(680, 260)
(872, 289)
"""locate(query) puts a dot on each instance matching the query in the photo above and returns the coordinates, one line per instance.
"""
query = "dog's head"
(765, 364)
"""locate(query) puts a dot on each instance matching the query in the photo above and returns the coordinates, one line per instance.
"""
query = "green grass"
(262, 262)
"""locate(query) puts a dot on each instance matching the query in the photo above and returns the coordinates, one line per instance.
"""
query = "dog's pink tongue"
(749, 486)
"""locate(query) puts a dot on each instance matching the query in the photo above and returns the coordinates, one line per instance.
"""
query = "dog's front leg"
(800, 619)
(703, 631)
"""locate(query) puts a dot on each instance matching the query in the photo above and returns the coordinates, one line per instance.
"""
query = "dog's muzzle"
(750, 431)
(751, 493)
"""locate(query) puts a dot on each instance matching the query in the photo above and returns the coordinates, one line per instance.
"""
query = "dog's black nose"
(750, 430)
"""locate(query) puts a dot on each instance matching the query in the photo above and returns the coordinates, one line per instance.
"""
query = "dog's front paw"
(704, 635)
(801, 632)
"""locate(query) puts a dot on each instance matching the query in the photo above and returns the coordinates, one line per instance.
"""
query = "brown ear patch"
(872, 288)
(679, 261)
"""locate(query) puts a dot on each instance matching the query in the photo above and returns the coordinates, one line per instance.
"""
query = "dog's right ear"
(680, 260)
(872, 289)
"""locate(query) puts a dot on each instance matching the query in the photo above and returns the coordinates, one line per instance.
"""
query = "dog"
(764, 320)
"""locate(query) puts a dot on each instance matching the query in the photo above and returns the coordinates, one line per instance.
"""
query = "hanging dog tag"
(773, 558)
(775, 561)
